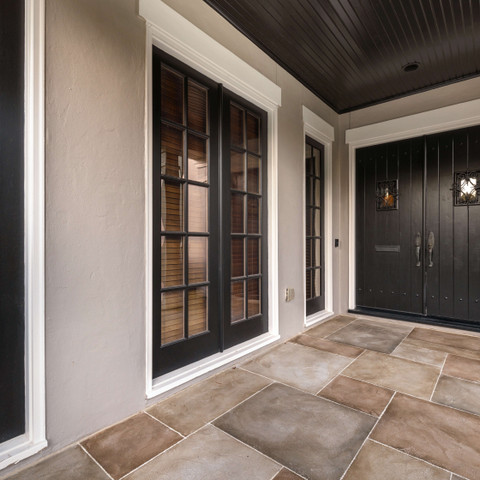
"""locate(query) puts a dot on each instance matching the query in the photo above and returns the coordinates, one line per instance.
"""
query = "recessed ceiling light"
(411, 67)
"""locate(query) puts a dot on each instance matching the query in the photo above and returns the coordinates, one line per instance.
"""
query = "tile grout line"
(316, 395)
(403, 339)
(190, 434)
(340, 372)
(475, 382)
(438, 379)
(345, 406)
(95, 460)
(284, 384)
(305, 332)
(411, 456)
(367, 437)
(238, 404)
(255, 450)
(327, 351)
(164, 424)
(388, 388)
(153, 458)
(454, 408)
(229, 410)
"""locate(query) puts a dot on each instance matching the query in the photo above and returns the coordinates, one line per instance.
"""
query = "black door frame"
(379, 312)
(170, 357)
(317, 304)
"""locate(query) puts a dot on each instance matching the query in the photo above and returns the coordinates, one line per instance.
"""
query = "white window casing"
(175, 35)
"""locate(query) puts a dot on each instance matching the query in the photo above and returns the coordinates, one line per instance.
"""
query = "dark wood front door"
(418, 226)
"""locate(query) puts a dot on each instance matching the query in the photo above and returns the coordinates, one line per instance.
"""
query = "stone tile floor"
(350, 399)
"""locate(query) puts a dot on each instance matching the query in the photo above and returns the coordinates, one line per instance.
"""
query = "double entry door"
(418, 226)
(209, 217)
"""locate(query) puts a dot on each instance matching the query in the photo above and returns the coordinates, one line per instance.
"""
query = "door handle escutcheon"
(430, 245)
(418, 246)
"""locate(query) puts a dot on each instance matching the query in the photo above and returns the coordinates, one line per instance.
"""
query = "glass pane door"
(314, 246)
(244, 163)
(183, 138)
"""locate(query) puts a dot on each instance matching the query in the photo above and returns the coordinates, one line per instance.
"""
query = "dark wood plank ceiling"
(351, 52)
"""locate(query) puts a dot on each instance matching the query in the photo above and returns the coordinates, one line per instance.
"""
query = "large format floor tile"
(462, 345)
(462, 367)
(314, 437)
(127, 445)
(285, 474)
(440, 435)
(377, 462)
(328, 346)
(330, 326)
(197, 405)
(396, 373)
(419, 354)
(464, 341)
(302, 367)
(71, 464)
(208, 454)
(458, 393)
(372, 335)
(362, 396)
(442, 348)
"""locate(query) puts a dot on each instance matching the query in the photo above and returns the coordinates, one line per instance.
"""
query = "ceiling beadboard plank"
(350, 53)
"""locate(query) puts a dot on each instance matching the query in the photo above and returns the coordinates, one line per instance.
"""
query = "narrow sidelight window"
(314, 227)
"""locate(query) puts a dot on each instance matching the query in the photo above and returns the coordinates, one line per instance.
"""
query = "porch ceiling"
(350, 53)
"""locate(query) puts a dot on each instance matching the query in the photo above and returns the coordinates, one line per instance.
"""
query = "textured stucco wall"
(95, 202)
(95, 206)
(95, 64)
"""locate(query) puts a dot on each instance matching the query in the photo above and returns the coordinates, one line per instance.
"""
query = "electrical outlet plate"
(289, 294)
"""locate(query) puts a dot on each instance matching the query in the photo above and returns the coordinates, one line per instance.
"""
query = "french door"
(314, 222)
(418, 226)
(209, 179)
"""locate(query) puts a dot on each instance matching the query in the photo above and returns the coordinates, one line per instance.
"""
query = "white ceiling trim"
(433, 121)
(177, 36)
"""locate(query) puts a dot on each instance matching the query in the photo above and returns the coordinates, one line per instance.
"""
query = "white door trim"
(321, 131)
(34, 439)
(443, 119)
(175, 35)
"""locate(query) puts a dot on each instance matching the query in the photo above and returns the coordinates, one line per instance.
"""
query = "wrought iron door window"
(387, 195)
(466, 188)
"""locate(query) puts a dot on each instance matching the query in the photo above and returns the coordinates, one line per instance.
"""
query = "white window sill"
(18, 448)
(190, 372)
(317, 317)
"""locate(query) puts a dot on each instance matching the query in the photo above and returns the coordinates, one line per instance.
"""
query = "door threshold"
(190, 372)
(315, 318)
(19, 448)
(417, 318)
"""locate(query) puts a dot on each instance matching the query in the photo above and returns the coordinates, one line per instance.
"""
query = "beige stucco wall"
(95, 65)
(95, 206)
(95, 202)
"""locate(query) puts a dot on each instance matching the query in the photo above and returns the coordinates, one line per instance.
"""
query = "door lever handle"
(430, 245)
(418, 246)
